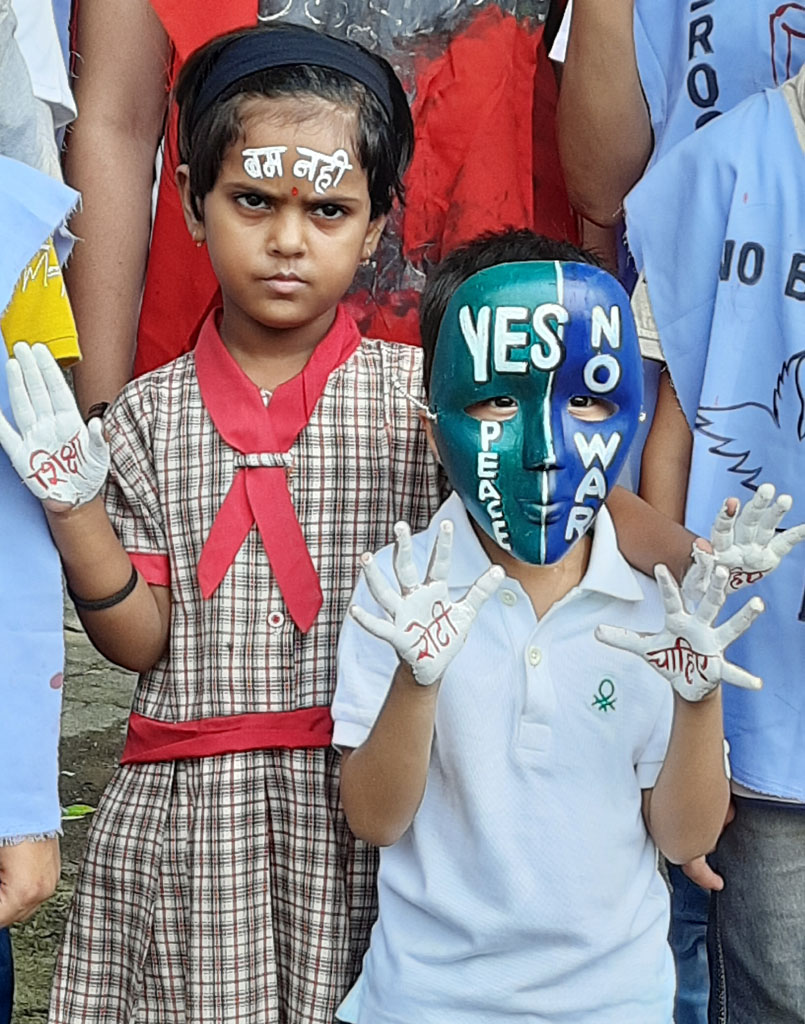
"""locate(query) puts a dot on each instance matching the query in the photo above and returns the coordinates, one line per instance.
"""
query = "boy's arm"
(685, 810)
(383, 780)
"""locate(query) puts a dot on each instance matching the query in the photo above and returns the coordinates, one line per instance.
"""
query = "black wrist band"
(98, 409)
(104, 602)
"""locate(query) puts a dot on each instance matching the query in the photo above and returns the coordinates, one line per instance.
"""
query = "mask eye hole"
(589, 409)
(498, 409)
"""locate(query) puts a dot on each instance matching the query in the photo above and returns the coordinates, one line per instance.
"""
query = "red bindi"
(294, 191)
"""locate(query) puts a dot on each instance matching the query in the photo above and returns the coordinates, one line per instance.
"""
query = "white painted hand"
(689, 651)
(427, 629)
(746, 542)
(61, 460)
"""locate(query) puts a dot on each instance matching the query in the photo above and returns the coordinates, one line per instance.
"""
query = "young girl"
(221, 883)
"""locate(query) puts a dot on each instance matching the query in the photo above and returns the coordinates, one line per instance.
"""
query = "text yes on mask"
(601, 374)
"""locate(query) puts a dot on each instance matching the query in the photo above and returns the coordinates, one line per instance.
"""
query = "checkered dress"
(229, 889)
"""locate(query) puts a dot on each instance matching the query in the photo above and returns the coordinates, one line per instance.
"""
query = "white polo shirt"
(526, 887)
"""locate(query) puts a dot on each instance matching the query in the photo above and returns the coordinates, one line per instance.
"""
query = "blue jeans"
(756, 937)
(6, 977)
(690, 906)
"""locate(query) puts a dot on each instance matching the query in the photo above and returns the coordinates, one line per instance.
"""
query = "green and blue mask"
(536, 388)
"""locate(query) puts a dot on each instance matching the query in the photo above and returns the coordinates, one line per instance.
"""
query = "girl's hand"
(426, 629)
(745, 541)
(61, 460)
(689, 651)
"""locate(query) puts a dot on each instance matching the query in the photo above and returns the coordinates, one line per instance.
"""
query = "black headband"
(258, 51)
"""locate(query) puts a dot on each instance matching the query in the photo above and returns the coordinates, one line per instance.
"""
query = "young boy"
(523, 783)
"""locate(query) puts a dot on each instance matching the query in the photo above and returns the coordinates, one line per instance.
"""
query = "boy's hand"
(746, 541)
(689, 651)
(426, 629)
(61, 460)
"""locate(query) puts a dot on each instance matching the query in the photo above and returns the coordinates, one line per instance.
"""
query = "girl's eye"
(252, 201)
(501, 407)
(329, 211)
(590, 409)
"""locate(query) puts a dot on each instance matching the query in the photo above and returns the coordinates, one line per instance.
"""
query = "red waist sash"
(149, 740)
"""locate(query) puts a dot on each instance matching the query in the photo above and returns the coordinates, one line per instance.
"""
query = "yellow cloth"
(40, 311)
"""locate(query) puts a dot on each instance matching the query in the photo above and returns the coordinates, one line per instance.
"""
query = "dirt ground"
(96, 702)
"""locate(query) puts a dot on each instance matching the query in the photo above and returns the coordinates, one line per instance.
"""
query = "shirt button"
(534, 656)
(508, 597)
(276, 619)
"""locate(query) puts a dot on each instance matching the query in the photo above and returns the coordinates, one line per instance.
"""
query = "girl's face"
(288, 220)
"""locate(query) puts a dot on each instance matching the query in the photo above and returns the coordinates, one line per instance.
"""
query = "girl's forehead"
(299, 115)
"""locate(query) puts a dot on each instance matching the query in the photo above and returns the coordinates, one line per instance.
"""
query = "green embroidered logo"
(605, 700)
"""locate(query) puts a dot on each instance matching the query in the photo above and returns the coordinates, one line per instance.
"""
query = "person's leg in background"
(688, 937)
(756, 938)
(6, 977)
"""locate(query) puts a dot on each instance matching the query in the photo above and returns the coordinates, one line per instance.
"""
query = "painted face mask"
(537, 387)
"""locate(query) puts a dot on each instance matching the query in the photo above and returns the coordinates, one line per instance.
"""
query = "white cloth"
(526, 886)
(38, 40)
(558, 51)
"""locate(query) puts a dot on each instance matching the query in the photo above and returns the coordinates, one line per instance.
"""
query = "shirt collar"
(608, 572)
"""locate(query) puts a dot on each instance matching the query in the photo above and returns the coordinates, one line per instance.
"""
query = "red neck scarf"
(263, 435)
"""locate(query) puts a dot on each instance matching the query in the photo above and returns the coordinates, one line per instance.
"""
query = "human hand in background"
(426, 628)
(29, 872)
(689, 650)
(61, 460)
(745, 541)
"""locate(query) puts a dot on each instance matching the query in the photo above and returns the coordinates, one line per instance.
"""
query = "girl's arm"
(383, 780)
(121, 93)
(133, 633)
(685, 811)
(605, 136)
(64, 463)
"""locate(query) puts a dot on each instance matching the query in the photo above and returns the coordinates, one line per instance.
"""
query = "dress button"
(534, 656)
(276, 619)
(508, 597)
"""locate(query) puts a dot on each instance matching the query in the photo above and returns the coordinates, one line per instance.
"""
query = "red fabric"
(260, 494)
(149, 740)
(190, 26)
(485, 156)
(154, 569)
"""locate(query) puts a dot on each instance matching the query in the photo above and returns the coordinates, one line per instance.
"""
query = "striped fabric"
(229, 889)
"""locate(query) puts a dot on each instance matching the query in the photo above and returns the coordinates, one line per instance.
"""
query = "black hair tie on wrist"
(105, 602)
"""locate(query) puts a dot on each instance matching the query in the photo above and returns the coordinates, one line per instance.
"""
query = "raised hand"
(426, 628)
(746, 542)
(61, 460)
(689, 651)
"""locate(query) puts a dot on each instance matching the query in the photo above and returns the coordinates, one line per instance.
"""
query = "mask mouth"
(541, 513)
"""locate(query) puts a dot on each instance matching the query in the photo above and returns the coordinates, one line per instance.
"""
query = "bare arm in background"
(646, 536)
(666, 456)
(605, 136)
(121, 93)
